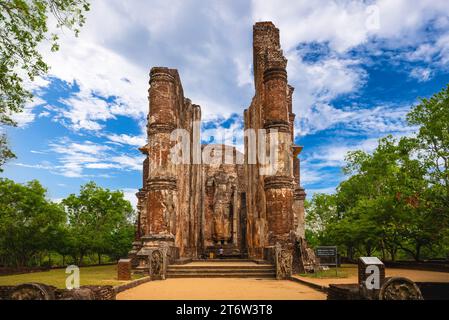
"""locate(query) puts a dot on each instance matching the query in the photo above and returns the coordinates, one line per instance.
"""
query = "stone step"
(223, 260)
(220, 270)
(225, 269)
(220, 267)
(270, 275)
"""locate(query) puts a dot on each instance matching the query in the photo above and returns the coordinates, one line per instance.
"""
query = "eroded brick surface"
(234, 206)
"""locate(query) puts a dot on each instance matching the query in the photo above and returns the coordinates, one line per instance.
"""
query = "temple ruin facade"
(235, 204)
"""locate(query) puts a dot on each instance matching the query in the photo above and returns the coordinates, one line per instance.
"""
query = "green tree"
(396, 199)
(432, 117)
(29, 223)
(5, 152)
(97, 218)
(382, 206)
(321, 211)
(397, 189)
(23, 26)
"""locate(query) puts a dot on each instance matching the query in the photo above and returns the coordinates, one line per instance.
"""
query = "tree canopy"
(29, 223)
(394, 196)
(96, 218)
(23, 26)
(95, 222)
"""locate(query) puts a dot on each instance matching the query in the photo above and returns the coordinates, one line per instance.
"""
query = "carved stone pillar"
(298, 210)
(283, 262)
(139, 231)
(299, 195)
(161, 184)
(278, 184)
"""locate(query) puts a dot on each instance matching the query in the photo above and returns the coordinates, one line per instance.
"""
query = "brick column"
(278, 185)
(160, 178)
(124, 270)
(161, 182)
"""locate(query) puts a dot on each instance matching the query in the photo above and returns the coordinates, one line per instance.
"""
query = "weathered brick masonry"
(187, 211)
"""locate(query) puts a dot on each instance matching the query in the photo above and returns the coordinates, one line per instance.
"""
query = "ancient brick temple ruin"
(189, 210)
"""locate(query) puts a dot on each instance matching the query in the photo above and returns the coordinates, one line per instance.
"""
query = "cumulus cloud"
(74, 159)
(213, 52)
(378, 120)
(421, 74)
(136, 141)
(328, 44)
(27, 116)
(86, 111)
(333, 155)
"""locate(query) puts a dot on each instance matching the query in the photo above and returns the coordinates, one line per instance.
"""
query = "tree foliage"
(23, 26)
(95, 222)
(395, 200)
(29, 223)
(5, 152)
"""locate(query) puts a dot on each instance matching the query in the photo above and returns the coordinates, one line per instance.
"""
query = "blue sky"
(357, 66)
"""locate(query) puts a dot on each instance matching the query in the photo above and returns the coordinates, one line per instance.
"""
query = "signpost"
(330, 253)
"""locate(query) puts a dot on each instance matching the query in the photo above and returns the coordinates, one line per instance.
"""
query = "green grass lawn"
(345, 271)
(101, 275)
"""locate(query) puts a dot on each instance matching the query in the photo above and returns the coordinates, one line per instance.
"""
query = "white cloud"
(127, 162)
(101, 165)
(376, 121)
(210, 44)
(85, 111)
(44, 114)
(121, 41)
(343, 24)
(73, 158)
(421, 74)
(27, 116)
(130, 195)
(137, 141)
(232, 135)
(333, 155)
(213, 53)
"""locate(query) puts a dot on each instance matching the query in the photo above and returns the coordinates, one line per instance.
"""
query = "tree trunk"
(382, 247)
(99, 258)
(351, 253)
(418, 252)
(368, 250)
(392, 254)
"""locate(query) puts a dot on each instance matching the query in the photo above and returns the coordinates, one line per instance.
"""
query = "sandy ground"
(221, 288)
(415, 275)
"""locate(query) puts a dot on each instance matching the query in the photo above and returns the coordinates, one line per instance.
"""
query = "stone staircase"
(222, 269)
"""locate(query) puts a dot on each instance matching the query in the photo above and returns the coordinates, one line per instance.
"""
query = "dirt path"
(221, 288)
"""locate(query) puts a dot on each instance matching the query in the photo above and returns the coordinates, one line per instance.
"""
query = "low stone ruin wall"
(429, 291)
(38, 291)
(442, 266)
(7, 271)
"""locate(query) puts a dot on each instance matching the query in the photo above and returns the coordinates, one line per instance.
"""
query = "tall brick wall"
(176, 202)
